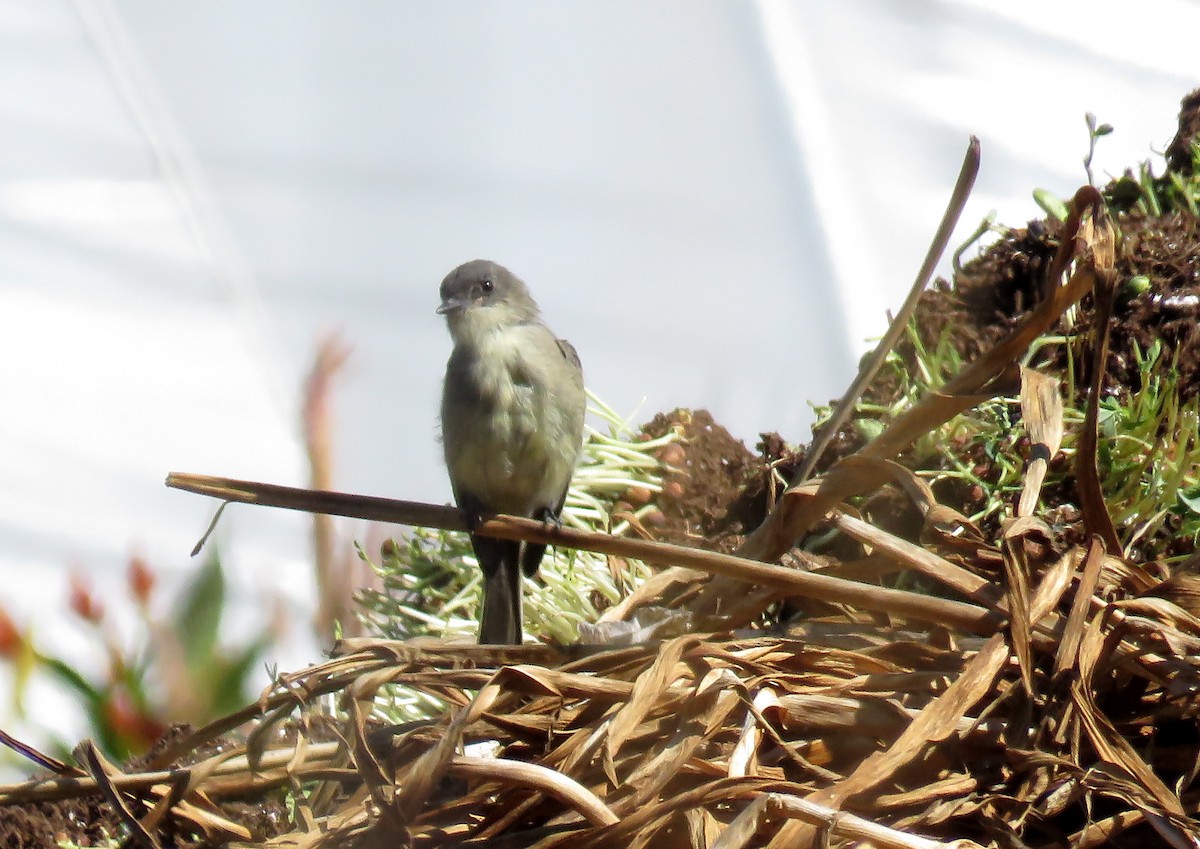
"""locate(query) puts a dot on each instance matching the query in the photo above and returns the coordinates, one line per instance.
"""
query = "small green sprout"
(1051, 204)
(1095, 132)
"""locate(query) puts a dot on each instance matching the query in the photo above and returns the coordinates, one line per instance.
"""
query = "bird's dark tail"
(500, 623)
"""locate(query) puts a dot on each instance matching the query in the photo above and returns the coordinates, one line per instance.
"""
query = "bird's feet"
(472, 512)
(550, 519)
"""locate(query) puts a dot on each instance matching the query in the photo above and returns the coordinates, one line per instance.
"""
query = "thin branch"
(871, 366)
(924, 608)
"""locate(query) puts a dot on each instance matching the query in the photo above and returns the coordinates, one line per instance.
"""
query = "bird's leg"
(472, 511)
(549, 517)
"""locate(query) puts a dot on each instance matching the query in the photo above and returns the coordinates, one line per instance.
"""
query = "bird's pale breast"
(513, 444)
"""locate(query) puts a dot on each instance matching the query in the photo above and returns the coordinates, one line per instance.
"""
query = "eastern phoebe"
(512, 425)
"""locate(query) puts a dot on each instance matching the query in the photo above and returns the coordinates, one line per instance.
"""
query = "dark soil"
(721, 490)
(41, 825)
(992, 293)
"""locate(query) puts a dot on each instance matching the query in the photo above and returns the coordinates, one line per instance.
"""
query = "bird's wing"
(570, 355)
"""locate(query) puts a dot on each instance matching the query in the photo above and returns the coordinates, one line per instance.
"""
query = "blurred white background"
(716, 201)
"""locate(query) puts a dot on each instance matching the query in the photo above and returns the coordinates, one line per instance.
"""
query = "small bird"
(512, 425)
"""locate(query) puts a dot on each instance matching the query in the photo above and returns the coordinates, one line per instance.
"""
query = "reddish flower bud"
(141, 579)
(130, 723)
(83, 601)
(10, 637)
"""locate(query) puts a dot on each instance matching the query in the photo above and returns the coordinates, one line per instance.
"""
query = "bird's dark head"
(481, 295)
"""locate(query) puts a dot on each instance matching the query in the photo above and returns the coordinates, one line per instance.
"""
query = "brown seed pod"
(672, 455)
(654, 517)
(638, 495)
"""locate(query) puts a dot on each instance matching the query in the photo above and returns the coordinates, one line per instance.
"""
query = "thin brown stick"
(958, 614)
(803, 505)
(1096, 517)
(871, 366)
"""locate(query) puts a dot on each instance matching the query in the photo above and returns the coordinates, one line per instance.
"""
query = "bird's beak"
(453, 305)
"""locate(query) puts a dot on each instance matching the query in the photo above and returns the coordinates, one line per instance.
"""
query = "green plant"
(1150, 451)
(1149, 456)
(176, 670)
(1150, 196)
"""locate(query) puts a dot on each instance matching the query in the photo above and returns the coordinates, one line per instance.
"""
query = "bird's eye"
(487, 286)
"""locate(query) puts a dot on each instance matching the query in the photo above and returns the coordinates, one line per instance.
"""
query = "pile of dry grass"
(1050, 702)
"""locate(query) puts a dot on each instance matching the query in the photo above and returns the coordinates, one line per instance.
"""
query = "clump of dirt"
(993, 292)
(985, 302)
(87, 821)
(710, 485)
(1179, 151)
(1167, 251)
